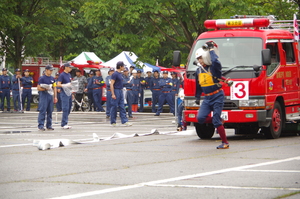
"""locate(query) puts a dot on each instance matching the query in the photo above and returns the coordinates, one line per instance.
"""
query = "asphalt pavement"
(147, 160)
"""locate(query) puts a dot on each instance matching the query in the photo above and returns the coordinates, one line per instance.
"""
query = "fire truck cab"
(262, 59)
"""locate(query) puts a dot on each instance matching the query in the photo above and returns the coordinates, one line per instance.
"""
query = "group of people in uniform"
(14, 85)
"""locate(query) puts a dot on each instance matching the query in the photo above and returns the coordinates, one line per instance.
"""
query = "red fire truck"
(262, 60)
(36, 66)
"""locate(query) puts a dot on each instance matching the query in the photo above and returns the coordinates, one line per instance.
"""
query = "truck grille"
(228, 105)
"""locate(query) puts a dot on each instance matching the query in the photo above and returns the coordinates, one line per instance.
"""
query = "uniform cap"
(155, 71)
(132, 67)
(26, 70)
(91, 72)
(149, 71)
(139, 71)
(49, 67)
(4, 69)
(134, 71)
(112, 69)
(125, 69)
(68, 65)
(57, 73)
(165, 72)
(77, 70)
(120, 63)
(17, 70)
(173, 73)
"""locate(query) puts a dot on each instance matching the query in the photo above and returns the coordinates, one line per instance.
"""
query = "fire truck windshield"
(234, 53)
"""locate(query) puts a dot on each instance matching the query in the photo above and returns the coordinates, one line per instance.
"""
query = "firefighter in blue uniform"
(210, 67)
(136, 89)
(166, 87)
(16, 81)
(64, 81)
(108, 92)
(155, 89)
(27, 82)
(127, 84)
(98, 84)
(176, 84)
(148, 80)
(58, 89)
(142, 87)
(5, 87)
(47, 90)
(89, 89)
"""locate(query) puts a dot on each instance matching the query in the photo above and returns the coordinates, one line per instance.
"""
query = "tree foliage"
(151, 29)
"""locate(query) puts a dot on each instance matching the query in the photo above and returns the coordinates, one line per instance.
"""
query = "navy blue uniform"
(175, 88)
(5, 87)
(141, 95)
(58, 104)
(16, 93)
(97, 84)
(45, 103)
(129, 94)
(156, 91)
(27, 92)
(166, 96)
(108, 95)
(119, 101)
(90, 92)
(66, 100)
(206, 84)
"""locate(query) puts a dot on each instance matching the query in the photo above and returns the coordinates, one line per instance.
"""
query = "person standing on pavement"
(89, 89)
(148, 79)
(136, 89)
(16, 86)
(142, 87)
(64, 81)
(98, 84)
(5, 87)
(108, 91)
(166, 86)
(131, 68)
(117, 101)
(27, 82)
(176, 85)
(214, 97)
(155, 89)
(82, 83)
(129, 93)
(47, 88)
(58, 90)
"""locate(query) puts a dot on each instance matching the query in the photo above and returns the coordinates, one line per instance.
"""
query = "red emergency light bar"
(236, 23)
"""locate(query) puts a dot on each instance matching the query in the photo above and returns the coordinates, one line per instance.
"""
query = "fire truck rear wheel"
(204, 131)
(35, 99)
(275, 128)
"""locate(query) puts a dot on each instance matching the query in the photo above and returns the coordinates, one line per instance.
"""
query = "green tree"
(28, 26)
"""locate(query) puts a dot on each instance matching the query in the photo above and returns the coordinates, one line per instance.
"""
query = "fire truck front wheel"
(275, 128)
(204, 131)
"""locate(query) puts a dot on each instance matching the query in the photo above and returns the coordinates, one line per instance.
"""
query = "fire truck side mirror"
(176, 58)
(266, 56)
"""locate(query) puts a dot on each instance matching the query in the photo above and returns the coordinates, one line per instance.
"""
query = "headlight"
(252, 103)
(191, 103)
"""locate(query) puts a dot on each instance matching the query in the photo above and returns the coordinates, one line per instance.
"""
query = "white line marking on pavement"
(5, 146)
(224, 187)
(153, 183)
(273, 171)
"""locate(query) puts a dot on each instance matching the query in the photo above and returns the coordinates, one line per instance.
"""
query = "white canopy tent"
(129, 59)
(87, 56)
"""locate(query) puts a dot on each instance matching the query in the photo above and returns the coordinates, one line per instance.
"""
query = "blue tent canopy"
(153, 67)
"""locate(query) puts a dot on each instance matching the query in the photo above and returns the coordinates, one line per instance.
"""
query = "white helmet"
(199, 53)
(134, 71)
(205, 55)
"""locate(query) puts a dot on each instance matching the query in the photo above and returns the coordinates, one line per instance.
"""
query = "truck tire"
(275, 128)
(205, 131)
